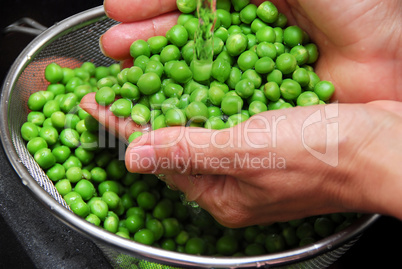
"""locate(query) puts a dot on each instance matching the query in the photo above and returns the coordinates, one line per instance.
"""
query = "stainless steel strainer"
(69, 43)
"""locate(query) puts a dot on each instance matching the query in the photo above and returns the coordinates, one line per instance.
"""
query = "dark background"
(31, 237)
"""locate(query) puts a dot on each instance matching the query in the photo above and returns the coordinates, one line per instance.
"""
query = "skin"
(358, 168)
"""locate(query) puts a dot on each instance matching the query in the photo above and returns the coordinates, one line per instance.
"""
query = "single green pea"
(175, 117)
(141, 62)
(29, 131)
(314, 79)
(149, 83)
(267, 12)
(286, 63)
(186, 6)
(36, 117)
(231, 105)
(312, 52)
(248, 13)
(82, 90)
(36, 144)
(140, 114)
(235, 119)
(85, 188)
(56, 89)
(215, 95)
(36, 101)
(301, 76)
(63, 186)
(45, 158)
(157, 43)
(324, 90)
(85, 156)
(245, 88)
(101, 72)
(68, 103)
(130, 91)
(50, 135)
(134, 73)
(91, 124)
(105, 96)
(234, 77)
(134, 136)
(227, 245)
(281, 21)
(89, 140)
(159, 122)
(71, 121)
(181, 72)
(257, 107)
(200, 95)
(68, 73)
(258, 95)
(274, 243)
(264, 65)
(272, 91)
(173, 90)
(266, 34)
(70, 138)
(247, 60)
(138, 48)
(144, 236)
(56, 172)
(215, 122)
(170, 53)
(98, 174)
(111, 199)
(177, 35)
(72, 161)
(61, 153)
(80, 208)
(290, 89)
(82, 74)
(121, 108)
(111, 223)
(71, 197)
(187, 52)
(73, 83)
(220, 70)
(293, 36)
(135, 223)
(275, 76)
(197, 112)
(92, 218)
(155, 67)
(116, 169)
(236, 44)
(58, 119)
(53, 73)
(74, 174)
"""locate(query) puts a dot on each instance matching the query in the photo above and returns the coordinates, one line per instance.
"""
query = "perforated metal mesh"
(70, 48)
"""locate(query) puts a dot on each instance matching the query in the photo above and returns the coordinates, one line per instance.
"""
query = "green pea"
(70, 138)
(74, 174)
(92, 218)
(266, 34)
(293, 36)
(159, 122)
(258, 95)
(275, 76)
(170, 53)
(290, 89)
(141, 62)
(71, 121)
(53, 73)
(50, 134)
(36, 101)
(267, 12)
(36, 144)
(257, 107)
(61, 153)
(85, 156)
(314, 79)
(173, 90)
(220, 70)
(272, 91)
(138, 48)
(216, 95)
(186, 6)
(231, 105)
(234, 77)
(197, 112)
(235, 119)
(264, 65)
(227, 245)
(89, 141)
(44, 158)
(324, 90)
(36, 117)
(135, 223)
(177, 35)
(56, 172)
(181, 72)
(156, 227)
(85, 188)
(63, 186)
(29, 131)
(215, 123)
(111, 223)
(121, 108)
(236, 44)
(116, 169)
(301, 76)
(248, 13)
(274, 243)
(155, 67)
(140, 114)
(157, 43)
(72, 161)
(80, 208)
(201, 69)
(312, 52)
(245, 88)
(286, 63)
(68, 103)
(130, 91)
(58, 119)
(82, 90)
(133, 74)
(175, 117)
(149, 83)
(71, 197)
(105, 96)
(144, 236)
(187, 52)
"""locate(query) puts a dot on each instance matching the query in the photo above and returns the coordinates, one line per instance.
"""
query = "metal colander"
(69, 43)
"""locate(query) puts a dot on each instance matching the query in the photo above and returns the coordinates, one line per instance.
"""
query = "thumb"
(183, 150)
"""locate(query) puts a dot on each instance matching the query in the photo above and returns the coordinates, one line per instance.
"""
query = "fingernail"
(141, 159)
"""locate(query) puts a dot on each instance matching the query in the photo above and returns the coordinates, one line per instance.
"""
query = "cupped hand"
(360, 41)
(278, 165)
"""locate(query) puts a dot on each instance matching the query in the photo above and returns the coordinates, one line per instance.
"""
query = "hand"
(354, 180)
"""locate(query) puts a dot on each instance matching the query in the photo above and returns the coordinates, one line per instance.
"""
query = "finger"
(121, 127)
(116, 42)
(137, 10)
(391, 106)
(192, 151)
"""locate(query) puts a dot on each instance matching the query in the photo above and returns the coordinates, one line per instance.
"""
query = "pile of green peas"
(249, 75)
(259, 63)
